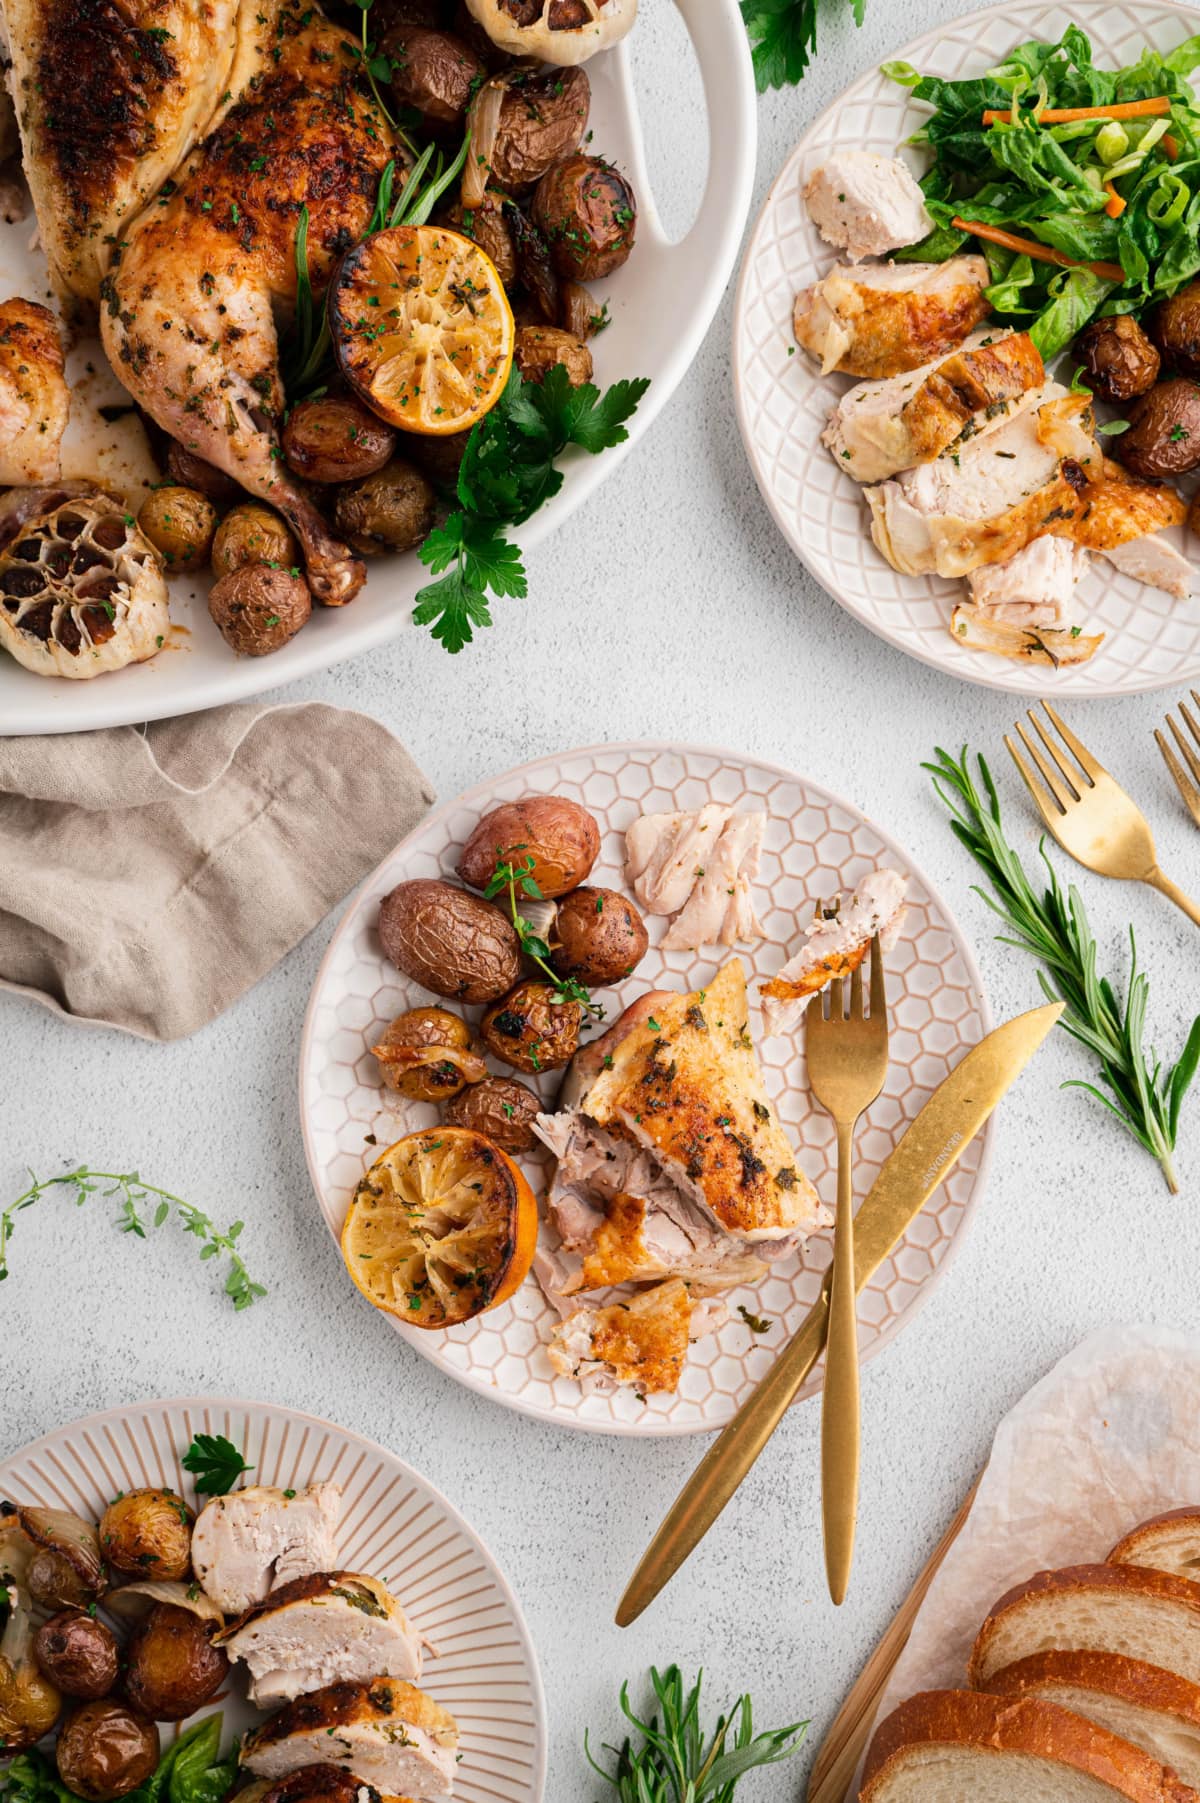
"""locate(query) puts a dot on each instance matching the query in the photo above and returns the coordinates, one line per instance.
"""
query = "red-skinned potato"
(599, 937)
(106, 1749)
(559, 836)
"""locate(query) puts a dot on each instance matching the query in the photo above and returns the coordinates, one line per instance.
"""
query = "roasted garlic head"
(555, 31)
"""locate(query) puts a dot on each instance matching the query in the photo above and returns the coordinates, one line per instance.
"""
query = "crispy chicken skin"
(879, 320)
(642, 1342)
(34, 398)
(189, 309)
(111, 95)
(385, 1731)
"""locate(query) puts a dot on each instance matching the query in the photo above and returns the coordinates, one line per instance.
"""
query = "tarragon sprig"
(677, 1761)
(133, 1195)
(1052, 927)
(510, 877)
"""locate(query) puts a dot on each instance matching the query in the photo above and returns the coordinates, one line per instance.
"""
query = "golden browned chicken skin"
(190, 307)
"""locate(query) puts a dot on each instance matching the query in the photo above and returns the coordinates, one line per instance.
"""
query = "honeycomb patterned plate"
(1151, 641)
(395, 1526)
(815, 844)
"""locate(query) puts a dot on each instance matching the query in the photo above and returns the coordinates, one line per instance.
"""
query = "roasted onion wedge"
(1032, 644)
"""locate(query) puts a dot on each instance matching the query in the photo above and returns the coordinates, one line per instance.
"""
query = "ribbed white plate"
(815, 844)
(395, 1526)
(1152, 641)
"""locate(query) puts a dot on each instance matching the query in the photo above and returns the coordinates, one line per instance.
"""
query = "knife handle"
(840, 1407)
(724, 1465)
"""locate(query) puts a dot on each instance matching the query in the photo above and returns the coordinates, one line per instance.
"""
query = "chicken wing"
(190, 306)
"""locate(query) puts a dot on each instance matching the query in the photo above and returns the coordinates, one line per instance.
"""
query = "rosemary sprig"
(1053, 928)
(511, 877)
(676, 1761)
(133, 1195)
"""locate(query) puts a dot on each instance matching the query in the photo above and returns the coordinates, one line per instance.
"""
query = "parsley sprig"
(507, 472)
(784, 36)
(1052, 927)
(215, 1464)
(133, 1195)
(676, 1761)
(510, 878)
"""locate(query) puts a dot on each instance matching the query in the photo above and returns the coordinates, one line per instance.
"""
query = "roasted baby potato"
(426, 1055)
(533, 1028)
(336, 439)
(1164, 433)
(104, 1750)
(257, 609)
(67, 1569)
(391, 510)
(487, 225)
(542, 120)
(148, 1534)
(501, 1109)
(1174, 326)
(77, 1653)
(1119, 359)
(171, 1664)
(586, 211)
(179, 522)
(539, 348)
(438, 454)
(559, 836)
(449, 941)
(433, 72)
(600, 937)
(190, 471)
(252, 534)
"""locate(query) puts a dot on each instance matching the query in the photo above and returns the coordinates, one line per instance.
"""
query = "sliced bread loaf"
(945, 1746)
(1156, 1710)
(1148, 1615)
(1166, 1543)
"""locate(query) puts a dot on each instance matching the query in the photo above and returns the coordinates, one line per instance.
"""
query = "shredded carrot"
(1169, 147)
(1042, 253)
(1066, 115)
(1116, 206)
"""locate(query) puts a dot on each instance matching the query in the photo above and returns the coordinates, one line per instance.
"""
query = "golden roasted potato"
(426, 1055)
(600, 937)
(105, 1750)
(148, 1534)
(533, 1028)
(391, 510)
(587, 213)
(559, 836)
(171, 1664)
(490, 230)
(252, 534)
(336, 439)
(258, 608)
(179, 522)
(539, 348)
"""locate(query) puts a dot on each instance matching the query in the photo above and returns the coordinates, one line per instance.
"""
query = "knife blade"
(926, 1152)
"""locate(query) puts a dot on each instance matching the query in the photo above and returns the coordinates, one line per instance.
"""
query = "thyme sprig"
(133, 1195)
(511, 878)
(1052, 927)
(676, 1761)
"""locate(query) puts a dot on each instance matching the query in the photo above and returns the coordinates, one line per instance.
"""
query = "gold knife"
(930, 1147)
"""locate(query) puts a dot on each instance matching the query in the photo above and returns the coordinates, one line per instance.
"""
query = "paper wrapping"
(1110, 1437)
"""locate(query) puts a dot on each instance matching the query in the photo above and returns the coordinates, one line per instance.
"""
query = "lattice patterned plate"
(814, 845)
(1152, 641)
(395, 1526)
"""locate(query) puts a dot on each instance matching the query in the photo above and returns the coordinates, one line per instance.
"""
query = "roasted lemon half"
(442, 1226)
(422, 328)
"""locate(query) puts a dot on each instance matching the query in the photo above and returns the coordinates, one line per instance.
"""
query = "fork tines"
(1188, 785)
(1064, 780)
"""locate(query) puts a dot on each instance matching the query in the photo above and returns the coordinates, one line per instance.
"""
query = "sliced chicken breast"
(334, 1624)
(880, 428)
(246, 1543)
(1034, 588)
(866, 204)
(1156, 561)
(386, 1732)
(835, 944)
(880, 319)
(642, 1342)
(720, 908)
(664, 854)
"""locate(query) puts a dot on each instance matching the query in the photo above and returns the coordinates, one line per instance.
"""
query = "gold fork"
(1089, 814)
(1189, 789)
(847, 1058)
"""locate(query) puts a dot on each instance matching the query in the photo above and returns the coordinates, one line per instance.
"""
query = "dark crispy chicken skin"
(190, 307)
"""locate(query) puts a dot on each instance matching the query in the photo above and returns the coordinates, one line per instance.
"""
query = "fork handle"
(1174, 893)
(840, 1398)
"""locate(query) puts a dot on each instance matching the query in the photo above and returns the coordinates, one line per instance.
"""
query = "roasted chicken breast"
(35, 401)
(386, 1732)
(878, 320)
(247, 1543)
(835, 944)
(866, 204)
(332, 1624)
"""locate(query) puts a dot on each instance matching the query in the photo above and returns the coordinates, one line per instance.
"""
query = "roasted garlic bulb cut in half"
(34, 398)
(555, 31)
(81, 591)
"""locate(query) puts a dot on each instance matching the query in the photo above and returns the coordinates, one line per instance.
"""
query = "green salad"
(1114, 201)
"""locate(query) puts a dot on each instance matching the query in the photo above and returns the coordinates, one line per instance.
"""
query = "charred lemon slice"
(441, 1227)
(422, 328)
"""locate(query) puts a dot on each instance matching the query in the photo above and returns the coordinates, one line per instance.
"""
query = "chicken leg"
(191, 304)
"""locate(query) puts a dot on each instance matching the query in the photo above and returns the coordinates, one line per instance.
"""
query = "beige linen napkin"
(150, 875)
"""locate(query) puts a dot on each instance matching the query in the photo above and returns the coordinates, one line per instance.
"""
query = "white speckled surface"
(676, 611)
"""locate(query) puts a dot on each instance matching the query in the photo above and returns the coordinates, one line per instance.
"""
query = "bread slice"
(1148, 1615)
(946, 1746)
(1153, 1708)
(1168, 1542)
